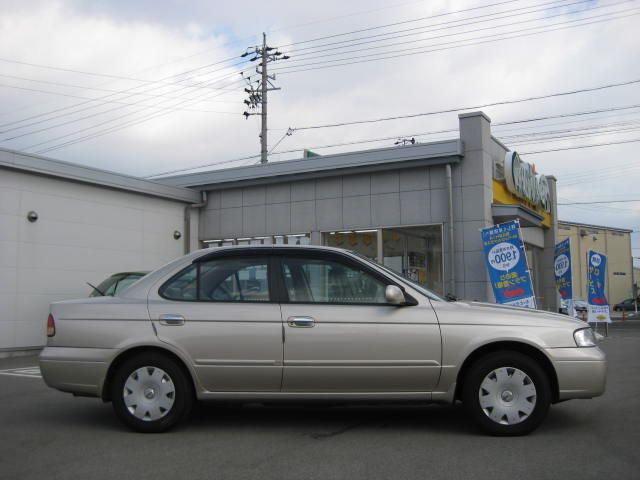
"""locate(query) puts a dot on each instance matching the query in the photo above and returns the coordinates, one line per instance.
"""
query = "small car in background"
(627, 305)
(115, 283)
(579, 305)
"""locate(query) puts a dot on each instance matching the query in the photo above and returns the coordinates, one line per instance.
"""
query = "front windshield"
(417, 286)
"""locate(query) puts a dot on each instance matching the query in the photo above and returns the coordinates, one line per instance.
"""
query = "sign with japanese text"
(507, 265)
(598, 306)
(562, 268)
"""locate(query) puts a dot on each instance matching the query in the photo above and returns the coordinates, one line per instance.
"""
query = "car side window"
(311, 280)
(183, 286)
(221, 280)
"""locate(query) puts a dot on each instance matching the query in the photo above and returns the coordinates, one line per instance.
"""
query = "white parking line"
(32, 372)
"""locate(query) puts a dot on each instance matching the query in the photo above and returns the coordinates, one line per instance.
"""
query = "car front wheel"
(150, 393)
(506, 393)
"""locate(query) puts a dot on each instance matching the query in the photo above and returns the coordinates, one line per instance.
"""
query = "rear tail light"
(51, 326)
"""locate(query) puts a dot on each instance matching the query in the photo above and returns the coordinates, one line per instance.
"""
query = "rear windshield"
(115, 284)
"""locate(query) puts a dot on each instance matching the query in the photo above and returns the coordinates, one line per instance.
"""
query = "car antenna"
(96, 289)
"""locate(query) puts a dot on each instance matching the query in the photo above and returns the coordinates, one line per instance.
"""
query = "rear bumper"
(581, 372)
(76, 370)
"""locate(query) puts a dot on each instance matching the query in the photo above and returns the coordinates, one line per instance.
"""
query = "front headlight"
(584, 337)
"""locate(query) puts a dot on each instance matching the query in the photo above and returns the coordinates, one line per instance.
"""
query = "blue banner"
(562, 268)
(507, 265)
(598, 306)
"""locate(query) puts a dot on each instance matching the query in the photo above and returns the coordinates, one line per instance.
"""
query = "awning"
(504, 213)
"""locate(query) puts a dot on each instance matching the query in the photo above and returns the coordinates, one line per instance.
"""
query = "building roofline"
(27, 162)
(433, 153)
(589, 225)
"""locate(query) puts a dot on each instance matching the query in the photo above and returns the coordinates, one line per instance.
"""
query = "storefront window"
(413, 252)
(416, 254)
(365, 242)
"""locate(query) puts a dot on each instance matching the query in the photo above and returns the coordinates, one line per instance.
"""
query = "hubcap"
(149, 393)
(507, 396)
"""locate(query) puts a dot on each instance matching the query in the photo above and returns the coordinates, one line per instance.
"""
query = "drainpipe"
(187, 220)
(452, 243)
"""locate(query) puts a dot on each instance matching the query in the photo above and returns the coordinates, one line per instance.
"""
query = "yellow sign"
(504, 197)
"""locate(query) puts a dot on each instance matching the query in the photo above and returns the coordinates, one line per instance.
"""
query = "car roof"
(272, 247)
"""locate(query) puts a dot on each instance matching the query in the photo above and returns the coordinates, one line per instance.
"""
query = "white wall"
(84, 233)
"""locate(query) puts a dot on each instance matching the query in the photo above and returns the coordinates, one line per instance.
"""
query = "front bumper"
(581, 372)
(81, 371)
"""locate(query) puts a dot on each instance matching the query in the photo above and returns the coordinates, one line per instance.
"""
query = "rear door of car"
(221, 313)
(341, 336)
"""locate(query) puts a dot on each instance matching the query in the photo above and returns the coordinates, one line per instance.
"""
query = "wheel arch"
(521, 347)
(138, 350)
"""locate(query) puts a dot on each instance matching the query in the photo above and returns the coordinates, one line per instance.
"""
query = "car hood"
(491, 313)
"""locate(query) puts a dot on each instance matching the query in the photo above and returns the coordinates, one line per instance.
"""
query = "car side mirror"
(394, 295)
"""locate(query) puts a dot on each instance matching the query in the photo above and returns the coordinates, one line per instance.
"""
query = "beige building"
(613, 242)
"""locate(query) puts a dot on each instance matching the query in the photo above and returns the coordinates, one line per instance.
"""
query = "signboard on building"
(523, 181)
(598, 306)
(507, 265)
(562, 268)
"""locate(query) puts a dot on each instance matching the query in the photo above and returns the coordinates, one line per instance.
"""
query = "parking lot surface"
(48, 434)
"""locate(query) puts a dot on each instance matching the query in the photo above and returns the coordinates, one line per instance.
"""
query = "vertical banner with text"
(562, 268)
(506, 262)
(598, 306)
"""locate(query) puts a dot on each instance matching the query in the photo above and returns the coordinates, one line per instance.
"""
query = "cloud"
(152, 40)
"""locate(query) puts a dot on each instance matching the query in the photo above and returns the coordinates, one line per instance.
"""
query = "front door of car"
(221, 314)
(341, 335)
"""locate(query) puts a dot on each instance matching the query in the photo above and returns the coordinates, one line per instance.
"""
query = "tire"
(506, 393)
(151, 393)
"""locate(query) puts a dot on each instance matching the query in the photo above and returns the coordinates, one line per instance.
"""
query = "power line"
(566, 115)
(116, 77)
(166, 110)
(394, 137)
(457, 44)
(556, 138)
(394, 24)
(337, 17)
(223, 162)
(103, 100)
(582, 146)
(600, 202)
(85, 87)
(92, 115)
(485, 105)
(49, 92)
(448, 26)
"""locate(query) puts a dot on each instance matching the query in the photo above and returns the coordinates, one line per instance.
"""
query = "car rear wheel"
(150, 393)
(506, 393)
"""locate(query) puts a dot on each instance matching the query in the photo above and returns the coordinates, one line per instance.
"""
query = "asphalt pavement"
(48, 434)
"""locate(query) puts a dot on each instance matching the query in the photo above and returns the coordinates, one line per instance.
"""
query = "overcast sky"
(159, 40)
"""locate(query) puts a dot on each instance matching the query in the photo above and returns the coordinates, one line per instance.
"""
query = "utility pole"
(265, 78)
(258, 89)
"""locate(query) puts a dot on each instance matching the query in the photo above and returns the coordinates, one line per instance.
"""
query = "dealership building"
(416, 208)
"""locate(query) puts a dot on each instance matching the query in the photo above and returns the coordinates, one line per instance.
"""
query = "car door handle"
(301, 322)
(171, 319)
